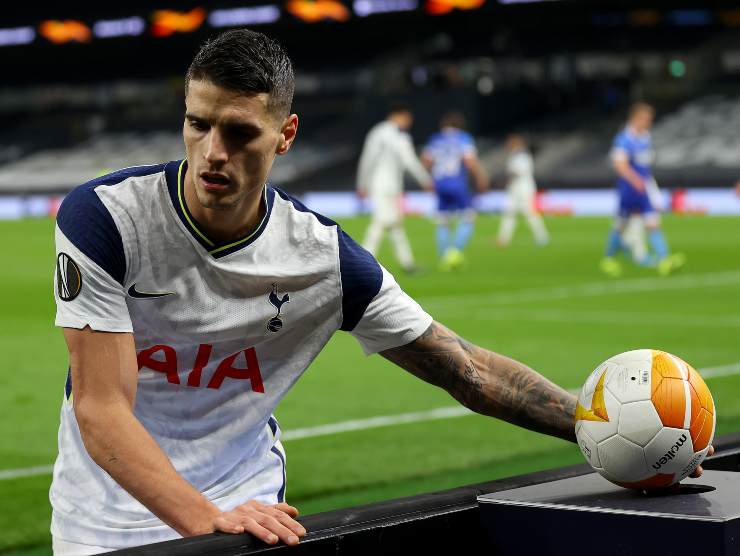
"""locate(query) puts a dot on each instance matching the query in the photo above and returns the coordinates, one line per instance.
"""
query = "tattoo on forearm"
(474, 382)
(486, 382)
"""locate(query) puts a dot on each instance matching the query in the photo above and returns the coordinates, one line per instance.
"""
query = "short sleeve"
(392, 319)
(620, 148)
(375, 309)
(90, 266)
(468, 145)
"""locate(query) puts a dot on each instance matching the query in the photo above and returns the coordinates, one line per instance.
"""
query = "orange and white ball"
(645, 419)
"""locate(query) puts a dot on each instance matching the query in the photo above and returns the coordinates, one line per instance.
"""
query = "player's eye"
(198, 126)
(242, 134)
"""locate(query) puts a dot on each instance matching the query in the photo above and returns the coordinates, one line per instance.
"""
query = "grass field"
(547, 307)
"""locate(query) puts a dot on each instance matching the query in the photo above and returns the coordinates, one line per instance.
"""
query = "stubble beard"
(223, 202)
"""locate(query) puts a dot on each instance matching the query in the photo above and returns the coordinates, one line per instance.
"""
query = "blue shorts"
(634, 203)
(452, 201)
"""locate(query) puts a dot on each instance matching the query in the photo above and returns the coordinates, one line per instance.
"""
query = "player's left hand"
(270, 524)
(699, 470)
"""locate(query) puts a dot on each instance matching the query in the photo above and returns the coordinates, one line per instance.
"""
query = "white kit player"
(192, 296)
(387, 154)
(520, 194)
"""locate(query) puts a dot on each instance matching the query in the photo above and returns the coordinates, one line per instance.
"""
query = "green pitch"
(550, 308)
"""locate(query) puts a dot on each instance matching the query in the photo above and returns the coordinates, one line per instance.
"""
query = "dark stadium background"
(563, 73)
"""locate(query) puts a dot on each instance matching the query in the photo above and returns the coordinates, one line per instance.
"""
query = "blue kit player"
(632, 157)
(451, 155)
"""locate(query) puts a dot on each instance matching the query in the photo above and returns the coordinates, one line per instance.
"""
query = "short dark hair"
(640, 106)
(398, 107)
(247, 62)
(454, 119)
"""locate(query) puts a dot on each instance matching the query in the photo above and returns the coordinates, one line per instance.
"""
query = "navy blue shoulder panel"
(303, 208)
(360, 273)
(361, 279)
(86, 222)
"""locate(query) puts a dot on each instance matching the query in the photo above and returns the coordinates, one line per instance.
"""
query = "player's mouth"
(214, 181)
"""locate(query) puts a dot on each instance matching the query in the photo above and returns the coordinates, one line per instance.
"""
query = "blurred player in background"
(634, 239)
(632, 157)
(387, 154)
(521, 189)
(451, 155)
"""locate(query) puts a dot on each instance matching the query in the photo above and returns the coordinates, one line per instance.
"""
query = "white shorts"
(520, 200)
(64, 548)
(386, 209)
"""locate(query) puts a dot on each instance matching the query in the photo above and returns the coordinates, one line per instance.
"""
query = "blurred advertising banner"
(563, 202)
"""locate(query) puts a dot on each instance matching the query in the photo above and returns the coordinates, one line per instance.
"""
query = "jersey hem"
(99, 325)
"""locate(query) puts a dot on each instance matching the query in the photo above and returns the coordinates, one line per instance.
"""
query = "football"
(645, 419)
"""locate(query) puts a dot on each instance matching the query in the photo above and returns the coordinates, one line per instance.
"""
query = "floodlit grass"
(549, 307)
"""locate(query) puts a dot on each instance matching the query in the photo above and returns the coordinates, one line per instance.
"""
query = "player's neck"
(224, 225)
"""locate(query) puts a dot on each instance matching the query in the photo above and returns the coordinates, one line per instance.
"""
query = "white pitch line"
(686, 281)
(602, 317)
(26, 472)
(723, 370)
(376, 422)
(450, 412)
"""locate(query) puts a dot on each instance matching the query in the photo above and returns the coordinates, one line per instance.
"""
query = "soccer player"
(632, 158)
(520, 192)
(192, 296)
(387, 154)
(450, 154)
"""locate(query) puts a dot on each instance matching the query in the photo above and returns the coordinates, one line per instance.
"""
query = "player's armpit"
(103, 366)
(488, 383)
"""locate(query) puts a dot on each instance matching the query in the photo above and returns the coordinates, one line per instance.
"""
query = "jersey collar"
(632, 132)
(175, 173)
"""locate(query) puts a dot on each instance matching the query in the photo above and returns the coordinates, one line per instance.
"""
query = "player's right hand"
(270, 524)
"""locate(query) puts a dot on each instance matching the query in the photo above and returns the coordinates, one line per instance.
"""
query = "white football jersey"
(222, 332)
(520, 167)
(387, 153)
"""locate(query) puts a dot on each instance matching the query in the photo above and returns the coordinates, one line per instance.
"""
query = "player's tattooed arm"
(488, 383)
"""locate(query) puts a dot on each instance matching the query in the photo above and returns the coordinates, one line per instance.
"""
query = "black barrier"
(437, 523)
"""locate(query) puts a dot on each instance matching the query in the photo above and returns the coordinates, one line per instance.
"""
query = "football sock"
(402, 247)
(658, 243)
(443, 239)
(463, 233)
(614, 243)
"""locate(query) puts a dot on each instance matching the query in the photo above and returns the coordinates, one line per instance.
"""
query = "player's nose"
(216, 150)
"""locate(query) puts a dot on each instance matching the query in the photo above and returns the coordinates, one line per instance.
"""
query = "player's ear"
(288, 131)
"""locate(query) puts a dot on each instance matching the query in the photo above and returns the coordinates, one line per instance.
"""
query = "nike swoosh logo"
(133, 292)
(598, 406)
